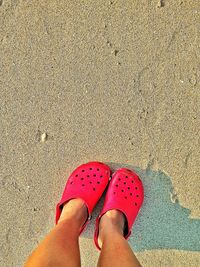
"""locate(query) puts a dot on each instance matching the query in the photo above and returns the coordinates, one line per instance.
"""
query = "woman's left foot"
(82, 191)
(74, 209)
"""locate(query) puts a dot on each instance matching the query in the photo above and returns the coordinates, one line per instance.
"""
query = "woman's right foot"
(111, 222)
(122, 203)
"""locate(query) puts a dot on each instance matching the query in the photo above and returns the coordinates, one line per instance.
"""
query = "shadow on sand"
(160, 224)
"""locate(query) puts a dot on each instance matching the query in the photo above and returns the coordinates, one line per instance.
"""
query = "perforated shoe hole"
(94, 175)
(126, 176)
(76, 175)
(90, 182)
(131, 194)
(136, 188)
(128, 188)
(137, 195)
(122, 190)
(124, 182)
(116, 185)
(132, 181)
(71, 183)
(125, 197)
(82, 179)
(135, 204)
(114, 193)
(90, 169)
(88, 176)
(119, 179)
(94, 189)
(83, 185)
(98, 182)
(98, 170)
(101, 176)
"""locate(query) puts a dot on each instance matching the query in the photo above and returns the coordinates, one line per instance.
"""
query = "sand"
(114, 81)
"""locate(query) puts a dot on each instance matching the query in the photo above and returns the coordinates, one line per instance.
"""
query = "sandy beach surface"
(114, 81)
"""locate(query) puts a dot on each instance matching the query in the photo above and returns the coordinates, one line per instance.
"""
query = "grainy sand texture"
(115, 81)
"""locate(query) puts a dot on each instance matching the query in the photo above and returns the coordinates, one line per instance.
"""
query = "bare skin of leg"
(115, 250)
(60, 248)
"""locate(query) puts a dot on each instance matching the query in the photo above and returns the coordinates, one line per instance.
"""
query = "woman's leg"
(60, 248)
(115, 250)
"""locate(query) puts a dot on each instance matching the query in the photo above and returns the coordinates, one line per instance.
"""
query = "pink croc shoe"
(87, 182)
(125, 193)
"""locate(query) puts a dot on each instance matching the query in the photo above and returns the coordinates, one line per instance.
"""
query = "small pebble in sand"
(161, 3)
(173, 197)
(43, 137)
(115, 52)
(109, 44)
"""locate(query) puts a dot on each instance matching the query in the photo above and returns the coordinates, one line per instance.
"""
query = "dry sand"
(115, 81)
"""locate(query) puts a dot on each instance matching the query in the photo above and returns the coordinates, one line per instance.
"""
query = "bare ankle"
(74, 210)
(111, 223)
